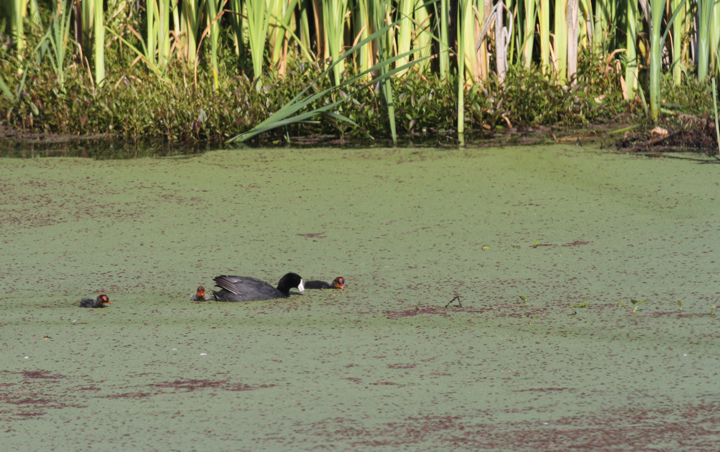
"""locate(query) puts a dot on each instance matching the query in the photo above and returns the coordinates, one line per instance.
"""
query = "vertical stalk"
(545, 36)
(320, 39)
(561, 30)
(258, 22)
(500, 50)
(191, 23)
(334, 17)
(444, 57)
(529, 32)
(657, 11)
(631, 69)
(717, 129)
(59, 40)
(88, 16)
(714, 37)
(586, 29)
(464, 12)
(380, 13)
(16, 24)
(181, 41)
(423, 36)
(601, 25)
(152, 14)
(404, 14)
(34, 12)
(276, 36)
(361, 30)
(481, 9)
(304, 25)
(163, 34)
(99, 42)
(705, 10)
(214, 34)
(510, 38)
(572, 39)
(466, 38)
(283, 26)
(678, 67)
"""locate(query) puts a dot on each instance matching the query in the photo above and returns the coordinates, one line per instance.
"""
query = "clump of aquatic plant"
(637, 304)
(695, 97)
(584, 304)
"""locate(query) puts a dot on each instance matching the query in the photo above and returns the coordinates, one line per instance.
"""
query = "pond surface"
(577, 232)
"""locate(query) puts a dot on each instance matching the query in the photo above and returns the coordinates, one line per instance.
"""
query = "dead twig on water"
(457, 297)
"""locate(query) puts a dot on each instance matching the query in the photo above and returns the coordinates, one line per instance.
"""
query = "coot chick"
(100, 302)
(200, 295)
(337, 283)
(244, 288)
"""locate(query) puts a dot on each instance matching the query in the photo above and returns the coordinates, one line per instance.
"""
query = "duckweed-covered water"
(382, 365)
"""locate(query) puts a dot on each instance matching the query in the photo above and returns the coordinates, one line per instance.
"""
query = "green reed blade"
(658, 9)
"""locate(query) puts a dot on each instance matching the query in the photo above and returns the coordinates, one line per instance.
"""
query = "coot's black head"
(290, 281)
(339, 283)
(102, 300)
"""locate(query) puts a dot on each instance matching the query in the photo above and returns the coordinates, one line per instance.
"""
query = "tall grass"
(16, 13)
(57, 39)
(99, 42)
(463, 40)
(334, 12)
(705, 13)
(631, 54)
(258, 23)
(656, 15)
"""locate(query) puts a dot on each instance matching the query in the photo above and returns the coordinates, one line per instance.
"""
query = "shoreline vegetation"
(271, 71)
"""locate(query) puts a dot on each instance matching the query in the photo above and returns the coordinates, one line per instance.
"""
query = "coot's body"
(244, 288)
(337, 283)
(100, 302)
(199, 295)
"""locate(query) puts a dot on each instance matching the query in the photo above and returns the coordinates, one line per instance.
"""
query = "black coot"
(199, 295)
(337, 283)
(244, 288)
(100, 302)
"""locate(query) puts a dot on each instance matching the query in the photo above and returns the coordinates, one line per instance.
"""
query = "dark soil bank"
(382, 365)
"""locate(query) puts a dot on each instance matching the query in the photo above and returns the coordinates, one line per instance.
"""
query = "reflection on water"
(101, 149)
(119, 149)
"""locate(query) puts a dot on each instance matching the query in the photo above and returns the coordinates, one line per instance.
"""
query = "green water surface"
(382, 365)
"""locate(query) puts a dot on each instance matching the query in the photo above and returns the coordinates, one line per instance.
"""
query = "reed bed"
(359, 46)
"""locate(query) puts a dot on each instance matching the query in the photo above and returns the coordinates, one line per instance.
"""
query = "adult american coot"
(199, 295)
(337, 283)
(100, 302)
(244, 288)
